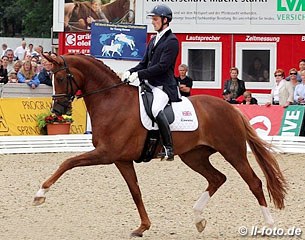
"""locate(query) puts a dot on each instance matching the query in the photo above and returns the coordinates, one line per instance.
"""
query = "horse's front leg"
(86, 159)
(129, 174)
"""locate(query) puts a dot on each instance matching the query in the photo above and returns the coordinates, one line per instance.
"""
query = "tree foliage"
(26, 18)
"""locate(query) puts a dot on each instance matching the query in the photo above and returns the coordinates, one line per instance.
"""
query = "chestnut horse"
(118, 136)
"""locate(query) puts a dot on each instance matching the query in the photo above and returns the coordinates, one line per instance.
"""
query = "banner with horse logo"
(119, 41)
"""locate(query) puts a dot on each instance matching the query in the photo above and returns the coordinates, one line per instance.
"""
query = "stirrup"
(167, 154)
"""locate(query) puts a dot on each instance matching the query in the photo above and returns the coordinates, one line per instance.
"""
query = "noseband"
(70, 79)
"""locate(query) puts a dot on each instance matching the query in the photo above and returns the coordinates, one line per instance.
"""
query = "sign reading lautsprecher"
(118, 41)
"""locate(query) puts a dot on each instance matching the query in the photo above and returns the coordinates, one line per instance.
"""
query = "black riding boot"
(166, 136)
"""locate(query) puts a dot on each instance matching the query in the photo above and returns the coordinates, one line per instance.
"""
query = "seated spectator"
(185, 82)
(299, 92)
(12, 77)
(227, 96)
(27, 75)
(248, 99)
(235, 85)
(45, 76)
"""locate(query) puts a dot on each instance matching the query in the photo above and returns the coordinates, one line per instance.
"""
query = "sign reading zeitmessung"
(118, 41)
(231, 16)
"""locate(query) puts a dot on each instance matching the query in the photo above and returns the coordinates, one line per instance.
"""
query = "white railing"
(82, 143)
(46, 143)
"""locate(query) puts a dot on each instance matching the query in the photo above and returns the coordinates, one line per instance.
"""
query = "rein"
(100, 90)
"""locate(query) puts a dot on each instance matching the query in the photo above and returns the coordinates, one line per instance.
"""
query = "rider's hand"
(134, 76)
(125, 76)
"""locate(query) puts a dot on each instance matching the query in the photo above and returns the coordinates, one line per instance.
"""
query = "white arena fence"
(83, 143)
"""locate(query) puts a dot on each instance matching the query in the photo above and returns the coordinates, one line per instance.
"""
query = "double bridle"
(70, 80)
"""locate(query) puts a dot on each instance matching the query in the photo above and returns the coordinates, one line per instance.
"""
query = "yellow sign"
(18, 115)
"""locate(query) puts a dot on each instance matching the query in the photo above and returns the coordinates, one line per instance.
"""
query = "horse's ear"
(53, 60)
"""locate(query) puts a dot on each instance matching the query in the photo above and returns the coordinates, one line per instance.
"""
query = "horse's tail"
(276, 183)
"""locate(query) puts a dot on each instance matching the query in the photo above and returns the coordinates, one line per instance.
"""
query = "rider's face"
(157, 23)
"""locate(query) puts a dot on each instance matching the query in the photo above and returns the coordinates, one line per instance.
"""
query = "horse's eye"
(60, 79)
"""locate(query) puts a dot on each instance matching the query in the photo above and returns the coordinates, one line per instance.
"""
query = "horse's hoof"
(201, 225)
(38, 201)
(136, 234)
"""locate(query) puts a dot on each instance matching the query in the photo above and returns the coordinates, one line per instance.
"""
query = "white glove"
(134, 76)
(125, 76)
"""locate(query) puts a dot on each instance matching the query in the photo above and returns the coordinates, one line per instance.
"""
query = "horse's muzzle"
(61, 108)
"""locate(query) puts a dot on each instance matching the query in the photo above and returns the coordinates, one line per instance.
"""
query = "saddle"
(180, 115)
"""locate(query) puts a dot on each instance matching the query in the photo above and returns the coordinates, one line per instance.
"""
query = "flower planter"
(58, 128)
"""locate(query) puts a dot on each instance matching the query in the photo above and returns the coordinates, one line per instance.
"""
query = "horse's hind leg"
(240, 162)
(86, 159)
(198, 160)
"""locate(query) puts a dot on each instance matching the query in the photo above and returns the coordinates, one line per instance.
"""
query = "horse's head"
(64, 86)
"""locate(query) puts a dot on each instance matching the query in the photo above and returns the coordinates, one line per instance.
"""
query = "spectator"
(256, 70)
(265, 77)
(35, 67)
(17, 66)
(248, 99)
(235, 85)
(27, 57)
(4, 62)
(185, 82)
(227, 96)
(301, 68)
(45, 76)
(30, 49)
(282, 91)
(10, 55)
(27, 75)
(12, 77)
(3, 74)
(20, 51)
(299, 93)
(4, 48)
(293, 77)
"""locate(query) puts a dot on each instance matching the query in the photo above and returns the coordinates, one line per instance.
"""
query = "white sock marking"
(267, 216)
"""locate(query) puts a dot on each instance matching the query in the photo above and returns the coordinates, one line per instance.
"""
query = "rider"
(157, 70)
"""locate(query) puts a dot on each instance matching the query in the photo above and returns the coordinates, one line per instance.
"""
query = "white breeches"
(160, 100)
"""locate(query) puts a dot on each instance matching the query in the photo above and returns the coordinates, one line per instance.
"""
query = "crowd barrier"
(83, 143)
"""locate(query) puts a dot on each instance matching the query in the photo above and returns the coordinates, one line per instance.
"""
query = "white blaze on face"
(53, 85)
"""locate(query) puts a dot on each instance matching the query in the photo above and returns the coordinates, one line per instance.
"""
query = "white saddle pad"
(185, 116)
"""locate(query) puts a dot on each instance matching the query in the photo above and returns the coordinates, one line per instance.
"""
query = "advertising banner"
(79, 15)
(77, 42)
(265, 120)
(292, 121)
(231, 16)
(18, 115)
(119, 41)
(189, 16)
